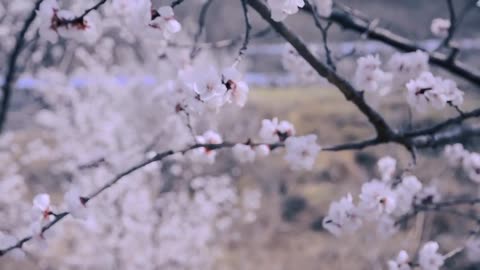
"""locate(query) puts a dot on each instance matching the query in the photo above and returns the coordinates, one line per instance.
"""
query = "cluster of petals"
(275, 131)
(458, 156)
(204, 154)
(247, 153)
(428, 91)
(407, 66)
(54, 22)
(208, 88)
(138, 15)
(302, 151)
(280, 9)
(428, 259)
(380, 201)
(440, 27)
(369, 77)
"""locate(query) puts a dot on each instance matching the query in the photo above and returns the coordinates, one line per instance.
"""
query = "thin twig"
(201, 25)
(452, 121)
(176, 3)
(246, 37)
(324, 32)
(453, 25)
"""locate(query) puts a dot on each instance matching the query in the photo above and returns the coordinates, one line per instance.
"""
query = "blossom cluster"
(139, 15)
(370, 78)
(301, 151)
(431, 91)
(380, 202)
(458, 156)
(298, 66)
(429, 258)
(424, 90)
(200, 88)
(400, 68)
(440, 27)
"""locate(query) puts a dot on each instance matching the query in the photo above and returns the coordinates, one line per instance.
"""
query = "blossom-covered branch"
(383, 130)
(157, 157)
(348, 19)
(385, 134)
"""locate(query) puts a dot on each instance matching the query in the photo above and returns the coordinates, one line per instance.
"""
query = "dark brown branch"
(349, 20)
(455, 22)
(446, 137)
(12, 65)
(382, 128)
(453, 121)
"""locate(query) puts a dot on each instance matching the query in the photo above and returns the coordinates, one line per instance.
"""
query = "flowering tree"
(125, 89)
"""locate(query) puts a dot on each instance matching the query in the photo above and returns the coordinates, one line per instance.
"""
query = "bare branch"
(455, 22)
(323, 31)
(12, 64)
(442, 207)
(452, 121)
(201, 25)
(246, 37)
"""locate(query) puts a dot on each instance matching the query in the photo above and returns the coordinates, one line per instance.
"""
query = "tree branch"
(113, 181)
(246, 37)
(12, 64)
(382, 128)
(349, 20)
(452, 121)
(160, 156)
